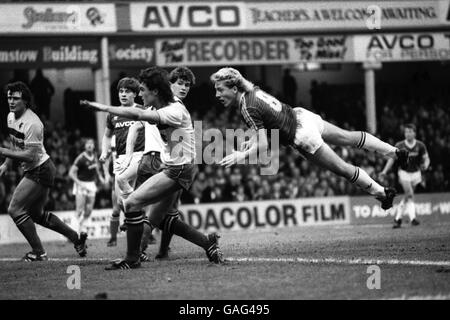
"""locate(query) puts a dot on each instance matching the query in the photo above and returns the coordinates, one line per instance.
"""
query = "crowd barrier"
(259, 215)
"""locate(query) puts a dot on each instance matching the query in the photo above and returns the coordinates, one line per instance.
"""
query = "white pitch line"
(435, 297)
(356, 261)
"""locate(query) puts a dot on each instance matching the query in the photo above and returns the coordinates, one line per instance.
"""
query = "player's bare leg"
(409, 206)
(80, 200)
(88, 207)
(115, 219)
(161, 191)
(359, 139)
(171, 224)
(29, 203)
(328, 159)
(26, 193)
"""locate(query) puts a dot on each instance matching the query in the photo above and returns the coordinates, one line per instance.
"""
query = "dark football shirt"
(416, 154)
(261, 110)
(87, 167)
(120, 126)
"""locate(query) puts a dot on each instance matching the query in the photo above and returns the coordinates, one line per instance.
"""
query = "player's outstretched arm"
(258, 141)
(126, 112)
(27, 155)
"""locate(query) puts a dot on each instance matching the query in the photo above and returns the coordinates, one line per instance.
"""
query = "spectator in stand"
(42, 90)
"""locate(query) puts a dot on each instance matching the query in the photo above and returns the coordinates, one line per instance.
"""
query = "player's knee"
(15, 210)
(116, 211)
(122, 181)
(127, 205)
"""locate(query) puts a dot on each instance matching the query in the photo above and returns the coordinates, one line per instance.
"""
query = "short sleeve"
(423, 150)
(78, 162)
(109, 123)
(34, 136)
(171, 115)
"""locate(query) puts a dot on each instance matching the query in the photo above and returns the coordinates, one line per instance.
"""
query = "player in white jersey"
(162, 189)
(181, 79)
(30, 196)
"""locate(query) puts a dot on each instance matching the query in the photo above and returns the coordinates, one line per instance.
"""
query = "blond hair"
(231, 77)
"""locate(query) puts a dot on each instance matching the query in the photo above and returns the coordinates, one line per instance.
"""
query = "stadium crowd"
(297, 178)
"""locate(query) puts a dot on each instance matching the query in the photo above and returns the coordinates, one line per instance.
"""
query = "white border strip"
(357, 261)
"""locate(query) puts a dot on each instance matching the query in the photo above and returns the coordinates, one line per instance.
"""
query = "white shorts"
(126, 179)
(88, 188)
(136, 157)
(413, 177)
(310, 126)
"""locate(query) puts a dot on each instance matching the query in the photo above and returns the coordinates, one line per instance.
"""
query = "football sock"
(400, 208)
(82, 223)
(366, 183)
(166, 233)
(134, 222)
(52, 222)
(186, 231)
(372, 143)
(114, 227)
(146, 234)
(28, 229)
(411, 209)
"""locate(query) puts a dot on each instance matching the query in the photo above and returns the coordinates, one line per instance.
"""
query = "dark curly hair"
(157, 78)
(183, 73)
(21, 87)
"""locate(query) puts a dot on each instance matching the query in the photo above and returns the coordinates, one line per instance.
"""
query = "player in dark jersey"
(409, 175)
(305, 131)
(125, 175)
(84, 172)
(30, 196)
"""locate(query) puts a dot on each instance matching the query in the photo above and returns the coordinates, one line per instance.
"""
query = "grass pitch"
(290, 263)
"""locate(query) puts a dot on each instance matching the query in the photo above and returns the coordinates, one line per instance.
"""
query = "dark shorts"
(183, 174)
(149, 165)
(43, 174)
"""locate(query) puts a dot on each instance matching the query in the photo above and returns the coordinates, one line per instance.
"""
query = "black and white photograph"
(222, 156)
